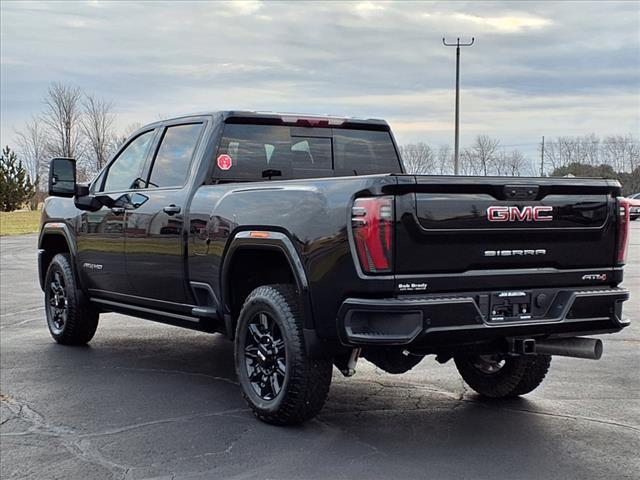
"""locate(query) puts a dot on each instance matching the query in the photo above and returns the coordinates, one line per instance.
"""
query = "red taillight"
(623, 229)
(372, 223)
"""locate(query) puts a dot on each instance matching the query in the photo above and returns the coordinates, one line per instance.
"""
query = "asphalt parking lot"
(151, 401)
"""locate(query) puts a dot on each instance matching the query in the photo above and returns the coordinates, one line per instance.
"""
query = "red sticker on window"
(224, 162)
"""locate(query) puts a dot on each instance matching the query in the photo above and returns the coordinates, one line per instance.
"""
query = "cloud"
(532, 71)
(367, 9)
(244, 7)
(506, 24)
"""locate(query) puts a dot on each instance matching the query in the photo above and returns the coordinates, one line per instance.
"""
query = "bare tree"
(32, 142)
(589, 149)
(563, 151)
(467, 164)
(418, 158)
(62, 117)
(444, 160)
(511, 163)
(622, 152)
(481, 157)
(97, 126)
(559, 152)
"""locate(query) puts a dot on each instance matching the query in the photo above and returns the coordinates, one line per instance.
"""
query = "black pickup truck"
(303, 240)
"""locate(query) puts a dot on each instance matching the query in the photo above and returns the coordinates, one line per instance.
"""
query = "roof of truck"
(279, 118)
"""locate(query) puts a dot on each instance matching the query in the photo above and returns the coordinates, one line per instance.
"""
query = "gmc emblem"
(517, 214)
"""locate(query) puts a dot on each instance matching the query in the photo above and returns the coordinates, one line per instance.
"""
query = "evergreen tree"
(16, 186)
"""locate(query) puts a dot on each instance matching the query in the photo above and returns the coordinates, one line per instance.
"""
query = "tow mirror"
(62, 177)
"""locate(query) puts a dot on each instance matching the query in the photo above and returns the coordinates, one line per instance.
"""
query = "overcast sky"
(537, 68)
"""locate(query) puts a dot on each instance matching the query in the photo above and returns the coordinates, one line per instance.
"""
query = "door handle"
(117, 210)
(171, 209)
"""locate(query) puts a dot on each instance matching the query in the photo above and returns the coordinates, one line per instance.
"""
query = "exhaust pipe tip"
(597, 349)
(577, 347)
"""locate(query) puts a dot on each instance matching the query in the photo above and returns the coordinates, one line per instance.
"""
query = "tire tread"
(519, 376)
(310, 378)
(82, 317)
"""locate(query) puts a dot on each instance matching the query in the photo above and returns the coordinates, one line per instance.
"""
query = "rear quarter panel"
(313, 213)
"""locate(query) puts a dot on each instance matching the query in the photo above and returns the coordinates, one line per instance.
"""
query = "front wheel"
(499, 376)
(70, 317)
(281, 384)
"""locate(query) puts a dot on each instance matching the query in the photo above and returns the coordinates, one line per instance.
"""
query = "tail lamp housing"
(623, 229)
(372, 220)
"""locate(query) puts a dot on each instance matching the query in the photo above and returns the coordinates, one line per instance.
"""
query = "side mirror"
(62, 177)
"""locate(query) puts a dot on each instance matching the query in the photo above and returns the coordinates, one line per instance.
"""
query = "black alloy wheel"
(57, 303)
(265, 356)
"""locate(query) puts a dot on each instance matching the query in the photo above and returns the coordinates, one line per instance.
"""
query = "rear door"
(155, 240)
(455, 225)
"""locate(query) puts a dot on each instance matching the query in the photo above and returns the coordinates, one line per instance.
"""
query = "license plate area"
(510, 306)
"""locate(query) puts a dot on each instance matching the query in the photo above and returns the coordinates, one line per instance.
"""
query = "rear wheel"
(499, 376)
(71, 319)
(281, 384)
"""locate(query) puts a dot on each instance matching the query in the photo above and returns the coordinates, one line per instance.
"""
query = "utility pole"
(542, 159)
(457, 143)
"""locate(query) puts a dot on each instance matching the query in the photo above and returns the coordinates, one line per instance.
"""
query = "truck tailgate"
(461, 224)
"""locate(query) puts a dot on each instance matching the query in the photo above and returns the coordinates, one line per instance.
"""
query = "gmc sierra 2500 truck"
(303, 240)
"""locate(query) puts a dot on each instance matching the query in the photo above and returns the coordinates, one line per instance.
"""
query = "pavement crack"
(184, 418)
(568, 417)
(171, 372)
(80, 445)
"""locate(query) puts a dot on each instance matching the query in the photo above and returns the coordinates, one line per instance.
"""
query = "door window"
(125, 170)
(171, 165)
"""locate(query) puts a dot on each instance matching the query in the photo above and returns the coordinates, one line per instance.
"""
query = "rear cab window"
(249, 152)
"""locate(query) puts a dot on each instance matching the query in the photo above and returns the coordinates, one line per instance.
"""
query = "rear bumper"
(436, 322)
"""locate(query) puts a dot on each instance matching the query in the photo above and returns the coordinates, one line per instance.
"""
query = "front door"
(101, 234)
(155, 236)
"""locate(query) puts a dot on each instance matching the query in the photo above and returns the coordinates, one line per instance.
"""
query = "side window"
(171, 165)
(364, 152)
(252, 152)
(125, 169)
(254, 149)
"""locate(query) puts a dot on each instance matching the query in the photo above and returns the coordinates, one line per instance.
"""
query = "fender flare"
(59, 229)
(268, 240)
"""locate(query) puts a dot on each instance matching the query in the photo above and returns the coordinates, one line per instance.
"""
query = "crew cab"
(304, 241)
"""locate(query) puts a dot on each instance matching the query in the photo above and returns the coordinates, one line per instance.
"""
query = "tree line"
(73, 123)
(614, 156)
(77, 124)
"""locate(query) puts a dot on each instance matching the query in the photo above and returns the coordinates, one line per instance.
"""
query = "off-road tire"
(518, 376)
(306, 381)
(81, 318)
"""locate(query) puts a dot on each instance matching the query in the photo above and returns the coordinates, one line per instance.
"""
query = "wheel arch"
(279, 263)
(54, 238)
